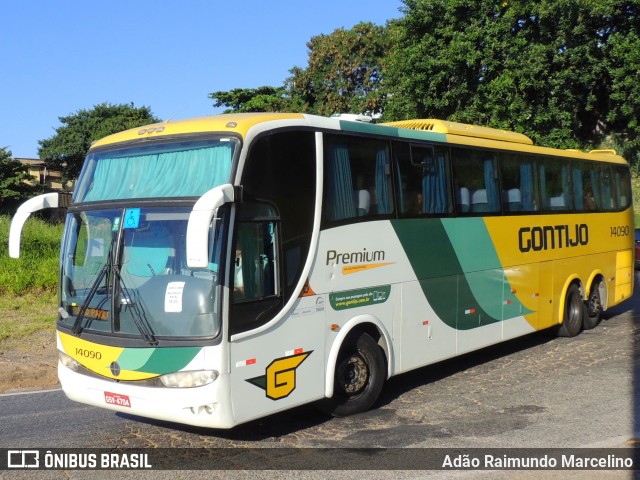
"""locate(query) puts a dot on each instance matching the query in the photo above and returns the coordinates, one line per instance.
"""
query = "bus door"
(277, 355)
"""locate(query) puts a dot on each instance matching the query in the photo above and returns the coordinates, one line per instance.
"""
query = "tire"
(359, 376)
(573, 313)
(592, 308)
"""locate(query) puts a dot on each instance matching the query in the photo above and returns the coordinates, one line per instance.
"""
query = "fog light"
(188, 379)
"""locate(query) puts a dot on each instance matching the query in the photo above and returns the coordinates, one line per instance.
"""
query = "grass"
(22, 316)
(29, 285)
(37, 268)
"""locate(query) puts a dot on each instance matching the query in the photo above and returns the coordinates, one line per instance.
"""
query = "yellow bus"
(220, 269)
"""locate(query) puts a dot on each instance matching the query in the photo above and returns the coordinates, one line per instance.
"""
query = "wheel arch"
(571, 280)
(352, 328)
(597, 277)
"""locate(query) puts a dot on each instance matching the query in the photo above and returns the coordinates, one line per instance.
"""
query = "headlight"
(188, 379)
(68, 362)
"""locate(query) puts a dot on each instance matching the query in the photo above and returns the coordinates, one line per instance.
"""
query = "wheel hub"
(594, 305)
(353, 374)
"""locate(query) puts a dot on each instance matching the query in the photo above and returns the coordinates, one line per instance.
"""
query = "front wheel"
(359, 376)
(573, 313)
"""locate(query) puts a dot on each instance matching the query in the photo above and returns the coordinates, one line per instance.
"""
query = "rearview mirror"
(48, 200)
(199, 222)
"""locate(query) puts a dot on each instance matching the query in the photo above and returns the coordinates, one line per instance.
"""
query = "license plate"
(117, 399)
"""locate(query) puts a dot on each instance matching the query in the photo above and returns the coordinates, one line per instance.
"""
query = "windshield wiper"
(77, 325)
(139, 316)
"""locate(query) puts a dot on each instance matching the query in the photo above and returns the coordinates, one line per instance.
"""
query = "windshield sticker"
(132, 218)
(359, 298)
(173, 297)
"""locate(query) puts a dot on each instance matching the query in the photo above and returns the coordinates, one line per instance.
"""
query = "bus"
(217, 270)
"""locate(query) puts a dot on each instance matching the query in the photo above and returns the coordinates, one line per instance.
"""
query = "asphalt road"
(538, 392)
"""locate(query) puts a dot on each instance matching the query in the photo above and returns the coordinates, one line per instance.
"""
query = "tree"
(623, 117)
(344, 72)
(563, 72)
(66, 150)
(13, 176)
(262, 99)
(343, 75)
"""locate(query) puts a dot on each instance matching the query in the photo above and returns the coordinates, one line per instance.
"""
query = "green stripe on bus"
(134, 358)
(483, 270)
(157, 360)
(459, 271)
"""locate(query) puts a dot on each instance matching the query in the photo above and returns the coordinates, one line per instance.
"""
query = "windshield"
(178, 169)
(124, 271)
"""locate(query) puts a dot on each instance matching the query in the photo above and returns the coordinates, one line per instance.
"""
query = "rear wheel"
(573, 313)
(593, 308)
(359, 376)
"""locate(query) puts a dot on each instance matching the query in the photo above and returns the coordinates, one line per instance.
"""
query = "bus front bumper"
(205, 406)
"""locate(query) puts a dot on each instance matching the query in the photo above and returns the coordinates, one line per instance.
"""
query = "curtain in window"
(490, 182)
(383, 173)
(434, 186)
(339, 199)
(398, 184)
(578, 190)
(165, 174)
(620, 200)
(527, 186)
(543, 187)
(595, 184)
(566, 191)
(605, 178)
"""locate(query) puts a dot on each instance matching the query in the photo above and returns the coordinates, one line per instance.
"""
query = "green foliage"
(343, 75)
(66, 150)
(12, 180)
(624, 67)
(344, 72)
(37, 267)
(563, 72)
(262, 99)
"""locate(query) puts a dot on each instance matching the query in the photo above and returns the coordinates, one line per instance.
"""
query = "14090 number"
(620, 231)
(83, 352)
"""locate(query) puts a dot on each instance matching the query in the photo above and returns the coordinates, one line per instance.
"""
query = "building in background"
(43, 176)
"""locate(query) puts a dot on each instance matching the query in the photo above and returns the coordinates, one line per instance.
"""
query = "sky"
(58, 57)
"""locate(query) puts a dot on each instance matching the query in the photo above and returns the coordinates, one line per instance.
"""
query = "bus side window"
(475, 178)
(623, 183)
(357, 179)
(255, 272)
(555, 185)
(519, 183)
(255, 269)
(607, 189)
(422, 180)
(586, 197)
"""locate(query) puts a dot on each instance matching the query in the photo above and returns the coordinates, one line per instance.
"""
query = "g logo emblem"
(280, 376)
